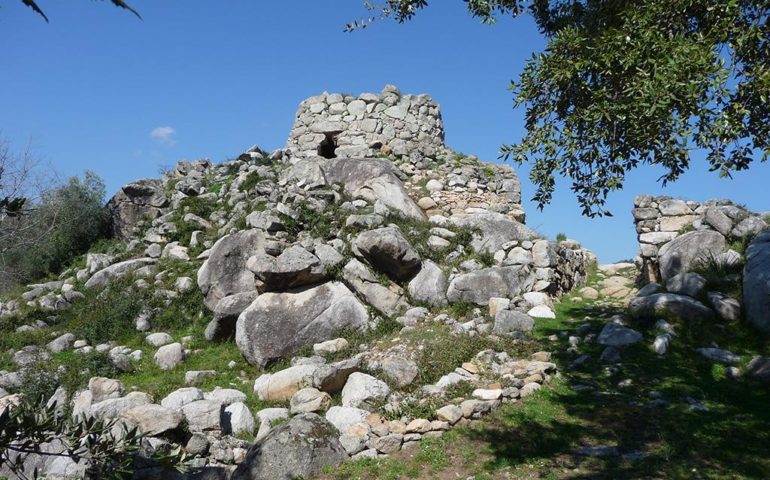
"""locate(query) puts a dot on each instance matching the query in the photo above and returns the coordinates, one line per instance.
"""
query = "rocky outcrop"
(134, 203)
(479, 286)
(756, 282)
(494, 229)
(368, 179)
(279, 324)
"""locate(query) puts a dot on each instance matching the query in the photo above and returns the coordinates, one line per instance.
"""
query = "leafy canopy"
(627, 83)
(118, 3)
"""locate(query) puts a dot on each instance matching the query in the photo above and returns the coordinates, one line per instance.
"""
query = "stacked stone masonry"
(660, 220)
(336, 125)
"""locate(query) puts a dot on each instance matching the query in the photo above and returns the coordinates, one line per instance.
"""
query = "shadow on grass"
(651, 412)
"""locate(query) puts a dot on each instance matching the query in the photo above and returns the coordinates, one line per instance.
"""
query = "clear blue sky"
(90, 88)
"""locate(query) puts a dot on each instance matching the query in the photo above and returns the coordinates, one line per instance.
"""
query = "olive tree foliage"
(20, 189)
(30, 434)
(623, 84)
(36, 8)
(54, 222)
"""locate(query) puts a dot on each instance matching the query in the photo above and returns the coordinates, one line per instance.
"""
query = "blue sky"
(99, 89)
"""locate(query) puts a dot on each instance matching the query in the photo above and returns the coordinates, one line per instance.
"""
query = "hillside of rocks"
(316, 287)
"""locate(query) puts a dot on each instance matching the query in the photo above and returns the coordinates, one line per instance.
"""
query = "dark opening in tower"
(328, 146)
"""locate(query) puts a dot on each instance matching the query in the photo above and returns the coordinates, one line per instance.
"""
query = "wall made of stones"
(367, 125)
(659, 220)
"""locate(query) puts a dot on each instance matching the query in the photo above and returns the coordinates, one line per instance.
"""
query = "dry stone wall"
(660, 220)
(336, 125)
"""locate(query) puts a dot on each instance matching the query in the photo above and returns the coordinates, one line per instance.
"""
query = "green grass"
(251, 181)
(429, 457)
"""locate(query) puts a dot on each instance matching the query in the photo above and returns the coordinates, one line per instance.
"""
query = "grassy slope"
(538, 438)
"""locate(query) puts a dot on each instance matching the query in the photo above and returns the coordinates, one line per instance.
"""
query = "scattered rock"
(671, 307)
(361, 389)
(169, 356)
(309, 400)
(614, 335)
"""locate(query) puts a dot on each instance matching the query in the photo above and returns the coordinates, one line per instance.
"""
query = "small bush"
(63, 225)
(251, 181)
(108, 315)
(560, 237)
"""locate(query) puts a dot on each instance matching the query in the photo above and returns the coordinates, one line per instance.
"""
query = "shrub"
(560, 237)
(251, 181)
(108, 315)
(107, 450)
(63, 225)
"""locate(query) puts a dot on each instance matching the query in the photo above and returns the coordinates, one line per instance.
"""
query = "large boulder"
(479, 286)
(103, 277)
(224, 272)
(370, 179)
(756, 282)
(134, 203)
(388, 251)
(492, 229)
(299, 448)
(429, 285)
(512, 322)
(686, 251)
(294, 267)
(617, 335)
(669, 306)
(279, 324)
(386, 300)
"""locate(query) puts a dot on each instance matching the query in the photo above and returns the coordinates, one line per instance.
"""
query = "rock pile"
(365, 219)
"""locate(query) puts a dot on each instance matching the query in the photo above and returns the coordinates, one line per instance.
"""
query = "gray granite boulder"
(368, 286)
(429, 285)
(616, 335)
(756, 282)
(300, 448)
(134, 203)
(224, 272)
(103, 277)
(226, 313)
(509, 322)
(369, 179)
(479, 286)
(688, 250)
(687, 283)
(493, 229)
(669, 306)
(279, 324)
(294, 267)
(388, 251)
